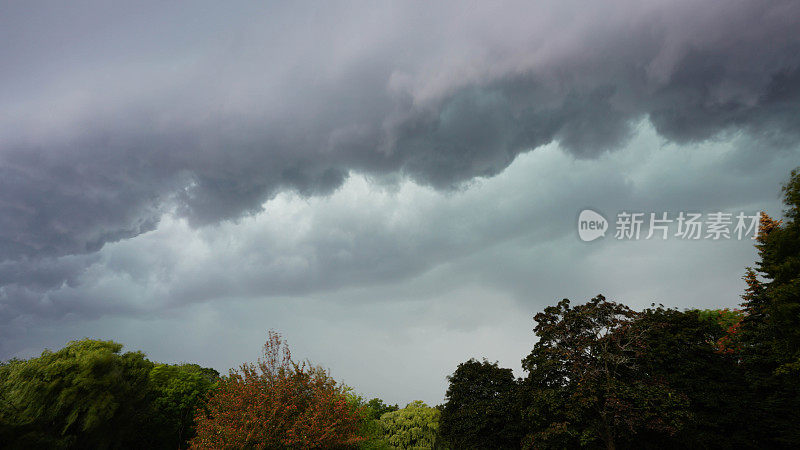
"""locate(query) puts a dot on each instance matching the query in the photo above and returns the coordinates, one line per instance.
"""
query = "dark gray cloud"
(112, 118)
(143, 144)
(411, 279)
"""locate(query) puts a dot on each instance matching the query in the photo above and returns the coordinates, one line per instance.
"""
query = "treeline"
(90, 395)
(601, 375)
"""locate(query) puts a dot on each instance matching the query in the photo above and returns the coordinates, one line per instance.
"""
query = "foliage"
(278, 403)
(681, 349)
(376, 408)
(729, 320)
(414, 427)
(770, 333)
(371, 425)
(585, 385)
(179, 390)
(90, 395)
(86, 395)
(481, 410)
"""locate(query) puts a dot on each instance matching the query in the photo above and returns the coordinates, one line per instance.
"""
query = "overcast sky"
(395, 187)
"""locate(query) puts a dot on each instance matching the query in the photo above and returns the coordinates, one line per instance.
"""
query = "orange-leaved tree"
(278, 403)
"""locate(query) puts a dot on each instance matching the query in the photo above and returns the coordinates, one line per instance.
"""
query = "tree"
(371, 425)
(278, 403)
(729, 322)
(769, 338)
(178, 391)
(687, 351)
(414, 427)
(481, 408)
(584, 384)
(86, 395)
(376, 408)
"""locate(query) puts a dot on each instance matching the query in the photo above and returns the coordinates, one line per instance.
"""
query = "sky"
(395, 187)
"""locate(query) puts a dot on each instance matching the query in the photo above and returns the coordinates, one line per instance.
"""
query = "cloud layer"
(145, 148)
(106, 136)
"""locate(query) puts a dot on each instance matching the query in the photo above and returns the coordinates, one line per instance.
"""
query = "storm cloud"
(124, 121)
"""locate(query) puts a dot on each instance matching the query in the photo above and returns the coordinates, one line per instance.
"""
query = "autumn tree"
(278, 403)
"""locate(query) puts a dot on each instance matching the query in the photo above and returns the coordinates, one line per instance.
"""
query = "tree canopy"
(91, 395)
(278, 403)
(482, 407)
(585, 383)
(414, 427)
(768, 342)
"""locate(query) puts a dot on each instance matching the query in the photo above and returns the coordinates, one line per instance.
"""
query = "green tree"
(179, 390)
(414, 427)
(86, 395)
(481, 408)
(584, 384)
(770, 333)
(376, 408)
(682, 349)
(371, 427)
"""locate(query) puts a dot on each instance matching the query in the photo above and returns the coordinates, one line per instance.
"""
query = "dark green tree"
(376, 408)
(482, 408)
(681, 349)
(769, 340)
(177, 391)
(585, 386)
